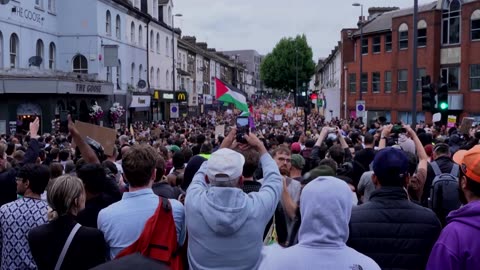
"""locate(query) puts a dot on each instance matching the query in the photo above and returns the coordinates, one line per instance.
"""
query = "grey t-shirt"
(366, 186)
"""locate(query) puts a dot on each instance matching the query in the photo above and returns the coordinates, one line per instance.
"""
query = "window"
(421, 72)
(108, 23)
(51, 5)
(388, 42)
(402, 80)
(158, 43)
(132, 75)
(169, 14)
(155, 9)
(167, 80)
(364, 82)
(132, 32)
(80, 64)
(158, 77)
(151, 41)
(376, 82)
(475, 25)
(451, 23)
(422, 34)
(403, 36)
(39, 51)
(140, 35)
(167, 50)
(140, 72)
(376, 44)
(388, 81)
(451, 76)
(119, 75)
(39, 3)
(152, 79)
(118, 27)
(51, 56)
(14, 50)
(365, 46)
(475, 77)
(352, 82)
(109, 74)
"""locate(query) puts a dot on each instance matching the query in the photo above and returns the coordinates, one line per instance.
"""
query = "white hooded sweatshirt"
(325, 207)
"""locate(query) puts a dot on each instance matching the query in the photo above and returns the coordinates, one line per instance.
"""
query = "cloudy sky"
(260, 24)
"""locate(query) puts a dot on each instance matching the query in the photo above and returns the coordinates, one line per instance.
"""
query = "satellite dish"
(4, 2)
(34, 60)
(141, 84)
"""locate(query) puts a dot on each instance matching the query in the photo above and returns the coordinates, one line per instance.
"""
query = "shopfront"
(161, 104)
(140, 107)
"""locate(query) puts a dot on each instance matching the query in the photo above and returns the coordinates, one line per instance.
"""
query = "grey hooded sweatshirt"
(225, 225)
(325, 207)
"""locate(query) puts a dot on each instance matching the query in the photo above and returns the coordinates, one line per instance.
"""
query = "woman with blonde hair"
(63, 243)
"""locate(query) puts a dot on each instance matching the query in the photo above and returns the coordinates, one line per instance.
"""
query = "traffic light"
(428, 95)
(443, 97)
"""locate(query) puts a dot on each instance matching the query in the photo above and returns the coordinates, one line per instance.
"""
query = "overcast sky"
(260, 24)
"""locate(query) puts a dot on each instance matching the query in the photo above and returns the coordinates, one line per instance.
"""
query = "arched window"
(475, 25)
(52, 50)
(167, 80)
(140, 71)
(1, 50)
(40, 51)
(80, 64)
(151, 41)
(118, 27)
(152, 79)
(158, 77)
(167, 47)
(422, 33)
(451, 22)
(14, 51)
(132, 32)
(140, 35)
(132, 75)
(119, 75)
(51, 5)
(108, 23)
(158, 43)
(403, 37)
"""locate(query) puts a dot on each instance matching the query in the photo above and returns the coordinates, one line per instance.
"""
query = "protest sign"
(104, 136)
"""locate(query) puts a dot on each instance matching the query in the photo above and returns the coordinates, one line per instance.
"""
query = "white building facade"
(328, 85)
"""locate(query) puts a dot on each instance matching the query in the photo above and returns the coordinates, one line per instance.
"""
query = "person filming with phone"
(224, 218)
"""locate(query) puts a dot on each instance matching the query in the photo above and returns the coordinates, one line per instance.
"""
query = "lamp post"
(173, 48)
(361, 43)
(414, 61)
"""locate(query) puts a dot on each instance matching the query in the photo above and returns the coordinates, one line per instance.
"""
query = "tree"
(278, 69)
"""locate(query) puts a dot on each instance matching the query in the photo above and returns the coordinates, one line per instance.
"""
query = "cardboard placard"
(156, 133)
(466, 125)
(437, 117)
(104, 136)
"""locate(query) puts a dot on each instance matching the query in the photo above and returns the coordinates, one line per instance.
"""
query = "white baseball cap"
(225, 165)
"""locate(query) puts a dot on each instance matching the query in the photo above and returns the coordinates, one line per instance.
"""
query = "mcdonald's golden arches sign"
(181, 96)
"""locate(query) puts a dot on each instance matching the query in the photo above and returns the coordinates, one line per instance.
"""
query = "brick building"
(448, 51)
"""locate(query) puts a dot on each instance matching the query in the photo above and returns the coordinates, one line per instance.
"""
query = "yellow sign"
(181, 96)
(155, 95)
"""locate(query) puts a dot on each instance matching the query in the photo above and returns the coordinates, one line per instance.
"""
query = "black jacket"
(396, 233)
(87, 250)
(445, 164)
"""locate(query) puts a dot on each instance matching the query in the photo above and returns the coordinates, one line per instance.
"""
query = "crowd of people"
(179, 195)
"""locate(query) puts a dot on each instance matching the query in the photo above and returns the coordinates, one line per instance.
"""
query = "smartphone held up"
(243, 125)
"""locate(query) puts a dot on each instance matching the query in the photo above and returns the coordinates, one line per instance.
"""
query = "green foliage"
(278, 69)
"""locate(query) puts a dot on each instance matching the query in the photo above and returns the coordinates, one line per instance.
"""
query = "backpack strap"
(72, 234)
(435, 168)
(166, 204)
(455, 170)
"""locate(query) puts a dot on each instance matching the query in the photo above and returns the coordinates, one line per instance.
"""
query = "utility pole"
(414, 60)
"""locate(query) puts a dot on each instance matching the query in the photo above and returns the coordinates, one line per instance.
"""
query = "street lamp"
(361, 43)
(173, 48)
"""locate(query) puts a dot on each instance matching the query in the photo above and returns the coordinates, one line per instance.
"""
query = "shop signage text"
(84, 88)
(167, 96)
(28, 14)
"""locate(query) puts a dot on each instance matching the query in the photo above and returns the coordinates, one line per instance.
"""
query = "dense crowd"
(181, 195)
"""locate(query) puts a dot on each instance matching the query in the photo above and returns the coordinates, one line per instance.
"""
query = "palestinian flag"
(230, 94)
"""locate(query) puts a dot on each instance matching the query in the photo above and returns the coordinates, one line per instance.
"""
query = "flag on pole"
(230, 94)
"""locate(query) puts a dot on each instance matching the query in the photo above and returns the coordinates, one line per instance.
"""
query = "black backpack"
(444, 191)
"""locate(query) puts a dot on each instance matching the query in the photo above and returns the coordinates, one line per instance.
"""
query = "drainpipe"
(148, 70)
(345, 87)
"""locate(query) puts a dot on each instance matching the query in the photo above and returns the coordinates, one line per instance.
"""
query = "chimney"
(375, 11)
(189, 39)
(202, 45)
(211, 50)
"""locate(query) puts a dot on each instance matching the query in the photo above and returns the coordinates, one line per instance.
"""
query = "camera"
(242, 128)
